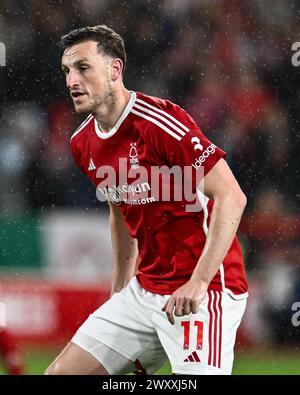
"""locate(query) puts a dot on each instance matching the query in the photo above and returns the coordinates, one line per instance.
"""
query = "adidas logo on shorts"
(194, 357)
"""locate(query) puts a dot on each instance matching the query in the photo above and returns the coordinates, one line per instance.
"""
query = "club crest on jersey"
(133, 155)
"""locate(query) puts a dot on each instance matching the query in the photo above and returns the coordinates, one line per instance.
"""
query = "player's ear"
(116, 68)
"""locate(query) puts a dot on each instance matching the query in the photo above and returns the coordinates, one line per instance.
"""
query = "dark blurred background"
(228, 63)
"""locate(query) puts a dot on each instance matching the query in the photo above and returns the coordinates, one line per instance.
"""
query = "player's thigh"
(151, 359)
(74, 360)
(123, 325)
(112, 361)
(202, 343)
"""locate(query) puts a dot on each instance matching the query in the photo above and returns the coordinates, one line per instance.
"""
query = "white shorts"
(132, 324)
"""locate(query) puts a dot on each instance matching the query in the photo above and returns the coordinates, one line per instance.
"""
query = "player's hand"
(185, 300)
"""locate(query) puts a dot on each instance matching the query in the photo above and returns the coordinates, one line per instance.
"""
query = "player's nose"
(72, 80)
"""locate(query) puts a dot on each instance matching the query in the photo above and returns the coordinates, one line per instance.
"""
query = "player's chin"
(81, 108)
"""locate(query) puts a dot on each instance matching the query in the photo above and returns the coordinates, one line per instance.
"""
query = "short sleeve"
(76, 155)
(187, 145)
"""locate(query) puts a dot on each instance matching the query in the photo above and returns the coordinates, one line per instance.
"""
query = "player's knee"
(56, 369)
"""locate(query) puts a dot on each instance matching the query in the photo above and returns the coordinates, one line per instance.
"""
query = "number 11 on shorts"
(187, 327)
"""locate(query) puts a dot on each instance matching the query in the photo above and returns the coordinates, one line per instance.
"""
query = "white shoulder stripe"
(154, 114)
(156, 122)
(164, 113)
(84, 123)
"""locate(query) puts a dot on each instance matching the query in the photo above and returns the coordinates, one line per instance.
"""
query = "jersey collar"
(115, 128)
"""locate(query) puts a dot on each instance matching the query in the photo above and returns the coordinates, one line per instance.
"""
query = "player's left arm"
(229, 203)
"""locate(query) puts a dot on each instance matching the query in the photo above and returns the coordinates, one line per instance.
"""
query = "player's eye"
(83, 67)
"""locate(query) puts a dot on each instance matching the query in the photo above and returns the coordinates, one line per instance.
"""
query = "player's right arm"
(125, 251)
(125, 255)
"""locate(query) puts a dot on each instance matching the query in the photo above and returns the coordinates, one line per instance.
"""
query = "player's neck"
(113, 112)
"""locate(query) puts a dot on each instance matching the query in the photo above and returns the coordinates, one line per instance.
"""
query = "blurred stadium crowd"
(227, 62)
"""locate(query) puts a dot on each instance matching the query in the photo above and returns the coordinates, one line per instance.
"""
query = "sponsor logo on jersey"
(151, 184)
(211, 149)
(130, 194)
(196, 141)
(133, 155)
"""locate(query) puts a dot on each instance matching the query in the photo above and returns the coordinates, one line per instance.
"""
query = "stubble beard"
(101, 104)
(105, 103)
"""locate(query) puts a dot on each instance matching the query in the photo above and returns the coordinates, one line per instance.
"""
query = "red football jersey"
(125, 164)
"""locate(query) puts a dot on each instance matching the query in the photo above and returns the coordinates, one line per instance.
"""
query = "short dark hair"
(109, 42)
